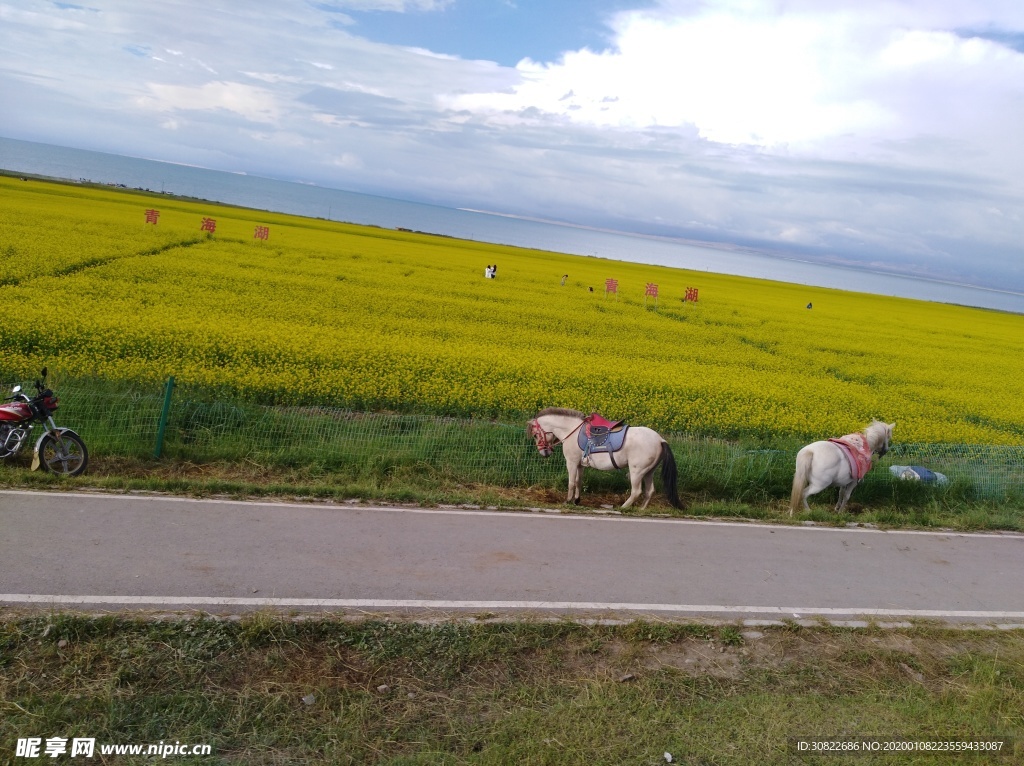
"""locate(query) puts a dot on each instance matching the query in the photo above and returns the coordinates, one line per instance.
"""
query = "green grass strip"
(264, 689)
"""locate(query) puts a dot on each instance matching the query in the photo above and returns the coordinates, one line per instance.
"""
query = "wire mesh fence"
(122, 422)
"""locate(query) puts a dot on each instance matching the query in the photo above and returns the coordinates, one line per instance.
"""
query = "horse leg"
(807, 493)
(814, 487)
(636, 480)
(573, 495)
(648, 489)
(634, 493)
(844, 495)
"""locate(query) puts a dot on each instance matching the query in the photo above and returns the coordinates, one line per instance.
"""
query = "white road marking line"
(995, 535)
(360, 603)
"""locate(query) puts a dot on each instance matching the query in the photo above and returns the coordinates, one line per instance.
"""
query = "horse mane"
(561, 411)
(876, 432)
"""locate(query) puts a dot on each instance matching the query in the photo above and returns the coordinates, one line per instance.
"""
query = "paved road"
(101, 552)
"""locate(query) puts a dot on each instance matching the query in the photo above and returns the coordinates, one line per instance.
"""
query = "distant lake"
(321, 202)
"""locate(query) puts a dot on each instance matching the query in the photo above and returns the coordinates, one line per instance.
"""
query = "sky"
(881, 133)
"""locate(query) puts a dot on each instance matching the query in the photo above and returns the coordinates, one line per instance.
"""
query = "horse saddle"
(601, 435)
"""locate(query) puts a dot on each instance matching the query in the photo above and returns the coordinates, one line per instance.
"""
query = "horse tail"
(669, 475)
(800, 479)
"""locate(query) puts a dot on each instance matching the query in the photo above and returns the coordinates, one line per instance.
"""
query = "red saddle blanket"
(593, 419)
(858, 453)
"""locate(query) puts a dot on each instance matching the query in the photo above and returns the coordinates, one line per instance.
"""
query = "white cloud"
(395, 6)
(272, 78)
(761, 77)
(348, 161)
(255, 104)
(10, 14)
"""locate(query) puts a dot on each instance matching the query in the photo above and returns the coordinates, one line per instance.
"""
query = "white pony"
(642, 450)
(837, 463)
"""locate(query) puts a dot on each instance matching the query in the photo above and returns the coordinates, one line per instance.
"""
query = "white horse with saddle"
(839, 463)
(591, 441)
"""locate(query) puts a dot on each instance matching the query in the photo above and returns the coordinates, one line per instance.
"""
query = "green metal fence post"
(163, 417)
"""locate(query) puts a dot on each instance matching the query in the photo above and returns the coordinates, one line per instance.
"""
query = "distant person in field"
(494, 271)
(564, 277)
(488, 272)
(809, 305)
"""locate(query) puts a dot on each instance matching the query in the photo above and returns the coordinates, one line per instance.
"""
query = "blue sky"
(495, 30)
(882, 133)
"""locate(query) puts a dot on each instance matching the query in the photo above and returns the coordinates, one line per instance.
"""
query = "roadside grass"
(216, 446)
(904, 507)
(267, 689)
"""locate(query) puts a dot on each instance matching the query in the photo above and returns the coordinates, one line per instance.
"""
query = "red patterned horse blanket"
(858, 453)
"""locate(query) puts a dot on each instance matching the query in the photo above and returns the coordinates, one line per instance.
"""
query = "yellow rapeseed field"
(371, 318)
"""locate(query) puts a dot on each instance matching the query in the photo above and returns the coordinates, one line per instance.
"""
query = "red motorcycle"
(59, 450)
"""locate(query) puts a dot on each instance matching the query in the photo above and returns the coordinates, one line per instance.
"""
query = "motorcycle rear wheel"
(66, 457)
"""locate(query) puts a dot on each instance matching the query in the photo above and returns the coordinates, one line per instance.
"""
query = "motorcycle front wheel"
(66, 455)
